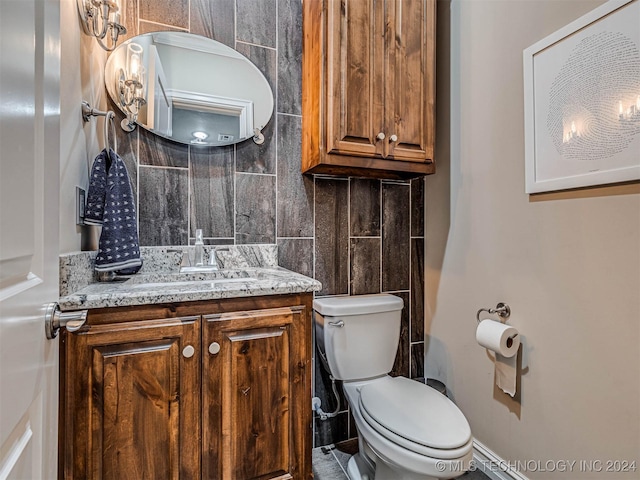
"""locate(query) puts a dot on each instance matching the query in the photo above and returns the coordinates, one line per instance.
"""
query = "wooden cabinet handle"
(393, 138)
(381, 136)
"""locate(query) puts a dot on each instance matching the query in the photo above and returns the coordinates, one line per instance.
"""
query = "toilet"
(406, 429)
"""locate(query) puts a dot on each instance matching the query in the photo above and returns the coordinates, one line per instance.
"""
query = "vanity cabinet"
(215, 389)
(368, 87)
(253, 378)
(130, 400)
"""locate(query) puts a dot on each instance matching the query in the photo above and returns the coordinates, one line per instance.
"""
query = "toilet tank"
(358, 334)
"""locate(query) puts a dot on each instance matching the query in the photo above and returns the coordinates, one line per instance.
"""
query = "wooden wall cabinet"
(211, 390)
(368, 87)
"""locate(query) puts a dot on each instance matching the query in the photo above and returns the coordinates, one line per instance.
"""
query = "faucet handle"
(185, 261)
(213, 258)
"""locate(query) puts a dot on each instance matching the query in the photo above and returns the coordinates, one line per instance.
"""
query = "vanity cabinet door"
(132, 400)
(256, 416)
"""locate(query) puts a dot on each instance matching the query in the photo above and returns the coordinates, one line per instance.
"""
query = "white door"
(29, 182)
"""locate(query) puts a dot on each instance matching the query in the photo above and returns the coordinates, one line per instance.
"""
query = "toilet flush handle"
(339, 323)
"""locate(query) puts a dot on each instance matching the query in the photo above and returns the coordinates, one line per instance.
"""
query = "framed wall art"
(582, 101)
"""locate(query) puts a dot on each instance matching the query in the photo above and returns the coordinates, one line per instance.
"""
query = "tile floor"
(330, 463)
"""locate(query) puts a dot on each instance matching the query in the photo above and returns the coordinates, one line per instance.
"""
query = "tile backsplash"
(356, 236)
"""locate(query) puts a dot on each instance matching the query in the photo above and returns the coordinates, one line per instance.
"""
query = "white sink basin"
(214, 283)
(210, 278)
(199, 269)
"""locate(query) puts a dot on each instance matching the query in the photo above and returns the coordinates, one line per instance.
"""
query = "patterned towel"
(94, 209)
(119, 248)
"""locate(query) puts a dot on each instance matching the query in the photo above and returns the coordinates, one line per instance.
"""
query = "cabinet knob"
(381, 136)
(188, 351)
(214, 348)
(393, 138)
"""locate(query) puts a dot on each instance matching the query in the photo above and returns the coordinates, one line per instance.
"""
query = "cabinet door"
(132, 402)
(254, 395)
(354, 77)
(411, 80)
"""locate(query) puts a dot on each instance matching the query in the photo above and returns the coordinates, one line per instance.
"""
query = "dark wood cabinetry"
(212, 390)
(368, 87)
(249, 389)
(130, 401)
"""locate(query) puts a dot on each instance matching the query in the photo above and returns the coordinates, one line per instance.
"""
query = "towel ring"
(110, 120)
(88, 111)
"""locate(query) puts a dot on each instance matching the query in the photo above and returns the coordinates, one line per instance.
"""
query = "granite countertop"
(242, 275)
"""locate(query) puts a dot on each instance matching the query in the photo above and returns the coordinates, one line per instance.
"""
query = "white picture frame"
(582, 101)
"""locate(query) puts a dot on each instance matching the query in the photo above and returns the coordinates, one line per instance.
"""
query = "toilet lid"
(417, 412)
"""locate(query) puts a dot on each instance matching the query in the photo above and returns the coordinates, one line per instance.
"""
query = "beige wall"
(81, 67)
(567, 263)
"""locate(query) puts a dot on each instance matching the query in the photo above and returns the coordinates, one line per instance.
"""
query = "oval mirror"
(189, 89)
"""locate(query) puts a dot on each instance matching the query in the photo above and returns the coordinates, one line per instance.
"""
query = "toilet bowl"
(406, 429)
(415, 431)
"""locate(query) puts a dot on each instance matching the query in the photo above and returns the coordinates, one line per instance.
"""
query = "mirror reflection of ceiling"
(187, 124)
(197, 91)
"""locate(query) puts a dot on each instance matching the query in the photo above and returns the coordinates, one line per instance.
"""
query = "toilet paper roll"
(498, 337)
(505, 373)
(504, 341)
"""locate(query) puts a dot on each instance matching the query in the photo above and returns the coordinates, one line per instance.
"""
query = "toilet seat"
(416, 417)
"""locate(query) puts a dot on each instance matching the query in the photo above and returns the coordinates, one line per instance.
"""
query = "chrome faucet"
(199, 249)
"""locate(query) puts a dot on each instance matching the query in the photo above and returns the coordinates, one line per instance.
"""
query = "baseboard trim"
(489, 463)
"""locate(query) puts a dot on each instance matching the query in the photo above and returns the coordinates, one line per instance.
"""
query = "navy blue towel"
(94, 209)
(118, 248)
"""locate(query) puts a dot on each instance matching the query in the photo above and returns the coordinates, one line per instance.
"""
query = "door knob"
(214, 348)
(380, 136)
(393, 138)
(54, 320)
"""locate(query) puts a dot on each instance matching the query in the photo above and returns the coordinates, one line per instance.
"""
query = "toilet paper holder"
(502, 310)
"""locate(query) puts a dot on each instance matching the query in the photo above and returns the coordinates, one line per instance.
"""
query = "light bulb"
(135, 66)
(200, 135)
(620, 109)
(573, 127)
(134, 61)
(140, 88)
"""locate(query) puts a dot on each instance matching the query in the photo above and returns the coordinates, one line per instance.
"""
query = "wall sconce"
(101, 19)
(131, 85)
